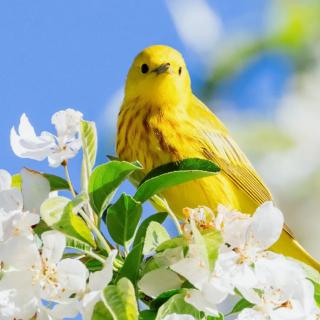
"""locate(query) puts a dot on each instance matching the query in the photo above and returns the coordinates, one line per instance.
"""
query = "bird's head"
(158, 75)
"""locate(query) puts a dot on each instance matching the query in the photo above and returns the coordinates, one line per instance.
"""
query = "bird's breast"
(148, 135)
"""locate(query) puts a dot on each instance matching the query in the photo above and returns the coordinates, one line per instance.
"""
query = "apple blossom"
(281, 292)
(63, 146)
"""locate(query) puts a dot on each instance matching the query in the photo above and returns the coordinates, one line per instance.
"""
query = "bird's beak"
(162, 68)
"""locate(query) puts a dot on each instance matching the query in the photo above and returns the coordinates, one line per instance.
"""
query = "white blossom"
(281, 292)
(91, 295)
(46, 275)
(248, 243)
(211, 288)
(57, 148)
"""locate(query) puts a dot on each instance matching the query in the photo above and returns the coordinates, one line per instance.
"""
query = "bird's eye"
(180, 70)
(144, 68)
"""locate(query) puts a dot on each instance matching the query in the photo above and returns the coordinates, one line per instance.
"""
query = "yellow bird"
(161, 121)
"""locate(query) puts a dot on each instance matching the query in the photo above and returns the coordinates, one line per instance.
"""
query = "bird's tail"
(289, 246)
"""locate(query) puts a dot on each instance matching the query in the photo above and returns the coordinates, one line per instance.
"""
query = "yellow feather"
(162, 121)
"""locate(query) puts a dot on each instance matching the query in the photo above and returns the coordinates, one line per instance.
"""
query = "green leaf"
(77, 244)
(316, 286)
(172, 174)
(141, 232)
(219, 317)
(104, 181)
(93, 265)
(120, 300)
(89, 139)
(131, 265)
(52, 209)
(100, 312)
(173, 243)
(164, 297)
(123, 218)
(147, 315)
(56, 183)
(155, 235)
(213, 241)
(71, 224)
(240, 305)
(40, 228)
(178, 305)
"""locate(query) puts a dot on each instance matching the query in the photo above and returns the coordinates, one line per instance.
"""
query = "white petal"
(100, 279)
(193, 269)
(20, 253)
(17, 299)
(43, 313)
(67, 122)
(65, 310)
(27, 145)
(158, 281)
(61, 153)
(234, 227)
(25, 127)
(175, 316)
(279, 272)
(251, 314)
(54, 244)
(35, 189)
(214, 291)
(11, 200)
(266, 227)
(5, 180)
(197, 299)
(250, 295)
(88, 303)
(16, 223)
(72, 276)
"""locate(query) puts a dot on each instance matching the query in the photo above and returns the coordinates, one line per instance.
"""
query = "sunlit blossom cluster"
(219, 266)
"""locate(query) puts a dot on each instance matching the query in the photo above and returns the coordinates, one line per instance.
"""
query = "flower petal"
(88, 303)
(5, 180)
(72, 276)
(17, 299)
(54, 244)
(20, 253)
(27, 144)
(35, 189)
(67, 122)
(266, 226)
(100, 279)
(11, 200)
(199, 301)
(194, 270)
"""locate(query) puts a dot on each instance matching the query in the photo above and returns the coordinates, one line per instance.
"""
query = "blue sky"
(59, 54)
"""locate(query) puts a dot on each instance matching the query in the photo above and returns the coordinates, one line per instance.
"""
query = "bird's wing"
(218, 146)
